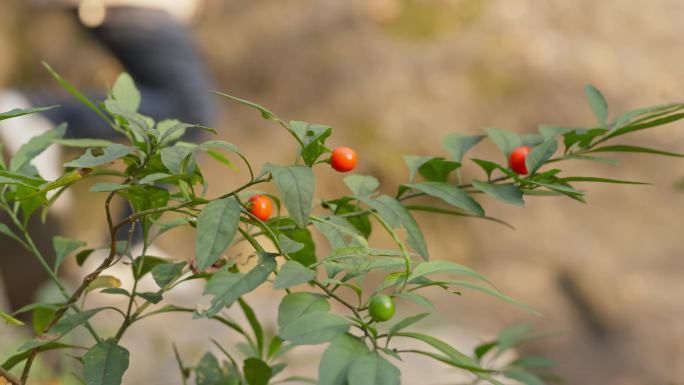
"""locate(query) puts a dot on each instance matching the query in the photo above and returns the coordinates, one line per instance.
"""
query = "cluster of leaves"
(163, 183)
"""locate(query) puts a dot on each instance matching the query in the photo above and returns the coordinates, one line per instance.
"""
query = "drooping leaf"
(372, 369)
(294, 305)
(292, 274)
(451, 195)
(216, 228)
(396, 214)
(406, 322)
(361, 185)
(597, 103)
(227, 287)
(63, 327)
(505, 140)
(110, 153)
(337, 359)
(458, 144)
(296, 186)
(506, 192)
(105, 364)
(443, 267)
(314, 328)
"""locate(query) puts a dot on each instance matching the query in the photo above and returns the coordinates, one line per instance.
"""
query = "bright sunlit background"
(393, 77)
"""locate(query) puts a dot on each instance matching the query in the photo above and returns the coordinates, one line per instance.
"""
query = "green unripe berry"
(381, 308)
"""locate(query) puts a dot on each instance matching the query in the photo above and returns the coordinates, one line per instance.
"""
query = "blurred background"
(393, 77)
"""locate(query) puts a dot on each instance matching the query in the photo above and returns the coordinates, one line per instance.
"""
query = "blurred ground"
(394, 76)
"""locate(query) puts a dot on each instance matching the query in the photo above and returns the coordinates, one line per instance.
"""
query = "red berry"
(343, 159)
(517, 160)
(262, 207)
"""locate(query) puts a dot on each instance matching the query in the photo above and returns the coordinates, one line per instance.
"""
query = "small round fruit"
(517, 160)
(381, 308)
(343, 159)
(262, 207)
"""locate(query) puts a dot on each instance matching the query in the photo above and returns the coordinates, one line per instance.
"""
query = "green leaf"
(461, 360)
(35, 146)
(216, 228)
(10, 320)
(627, 148)
(294, 305)
(151, 297)
(63, 327)
(339, 232)
(108, 187)
(458, 144)
(209, 372)
(437, 169)
(125, 92)
(395, 213)
(105, 364)
(295, 238)
(540, 154)
(314, 328)
(507, 192)
(109, 154)
(22, 111)
(361, 185)
(296, 185)
(646, 124)
(494, 293)
(104, 281)
(505, 140)
(451, 195)
(254, 323)
(265, 113)
(257, 372)
(550, 132)
(42, 316)
(312, 137)
(597, 103)
(292, 274)
(227, 287)
(417, 299)
(18, 358)
(8, 232)
(165, 273)
(406, 322)
(144, 264)
(360, 222)
(413, 162)
(337, 359)
(83, 142)
(523, 376)
(533, 362)
(177, 158)
(443, 267)
(598, 180)
(75, 92)
(371, 369)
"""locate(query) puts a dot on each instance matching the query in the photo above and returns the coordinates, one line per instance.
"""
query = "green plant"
(164, 185)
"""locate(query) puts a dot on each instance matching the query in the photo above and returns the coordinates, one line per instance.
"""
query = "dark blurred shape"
(159, 53)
